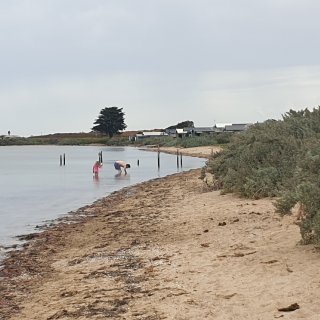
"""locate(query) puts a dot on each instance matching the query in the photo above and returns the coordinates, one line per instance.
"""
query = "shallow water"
(34, 188)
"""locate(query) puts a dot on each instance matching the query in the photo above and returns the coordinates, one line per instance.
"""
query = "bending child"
(119, 165)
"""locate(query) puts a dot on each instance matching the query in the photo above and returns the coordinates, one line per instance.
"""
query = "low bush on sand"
(277, 159)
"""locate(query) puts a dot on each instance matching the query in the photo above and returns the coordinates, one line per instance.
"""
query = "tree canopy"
(110, 121)
(181, 125)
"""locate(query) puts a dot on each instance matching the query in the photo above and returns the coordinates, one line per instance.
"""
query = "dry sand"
(201, 152)
(165, 249)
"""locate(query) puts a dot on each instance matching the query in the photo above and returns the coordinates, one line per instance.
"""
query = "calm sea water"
(34, 188)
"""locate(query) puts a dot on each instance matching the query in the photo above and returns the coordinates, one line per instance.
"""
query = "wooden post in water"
(158, 157)
(64, 159)
(60, 160)
(138, 162)
(180, 159)
(177, 158)
(100, 157)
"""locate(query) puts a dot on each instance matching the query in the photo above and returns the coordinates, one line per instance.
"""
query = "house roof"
(222, 125)
(204, 129)
(153, 133)
(237, 127)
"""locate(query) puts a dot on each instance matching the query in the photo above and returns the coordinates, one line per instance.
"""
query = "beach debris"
(257, 213)
(163, 257)
(226, 296)
(68, 294)
(236, 254)
(205, 231)
(288, 268)
(205, 245)
(179, 292)
(192, 302)
(290, 308)
(135, 242)
(220, 224)
(270, 261)
(27, 237)
(242, 254)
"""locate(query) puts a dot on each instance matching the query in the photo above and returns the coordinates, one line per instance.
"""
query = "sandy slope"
(165, 249)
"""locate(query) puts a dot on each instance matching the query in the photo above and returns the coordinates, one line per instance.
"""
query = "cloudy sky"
(162, 61)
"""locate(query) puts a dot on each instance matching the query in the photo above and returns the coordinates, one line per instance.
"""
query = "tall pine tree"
(110, 121)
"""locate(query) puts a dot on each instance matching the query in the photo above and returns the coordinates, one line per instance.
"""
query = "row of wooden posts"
(177, 158)
(179, 162)
(63, 158)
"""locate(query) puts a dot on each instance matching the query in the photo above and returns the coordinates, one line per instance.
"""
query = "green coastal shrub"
(186, 142)
(277, 159)
(254, 162)
(14, 141)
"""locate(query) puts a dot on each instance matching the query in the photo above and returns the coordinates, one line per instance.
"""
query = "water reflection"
(96, 180)
(122, 176)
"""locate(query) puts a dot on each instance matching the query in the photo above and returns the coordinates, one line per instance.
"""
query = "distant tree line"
(181, 125)
(110, 121)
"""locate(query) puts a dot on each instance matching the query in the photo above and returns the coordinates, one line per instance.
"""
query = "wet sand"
(165, 249)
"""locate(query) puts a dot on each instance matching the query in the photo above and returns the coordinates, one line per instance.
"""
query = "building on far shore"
(237, 127)
(148, 134)
(192, 131)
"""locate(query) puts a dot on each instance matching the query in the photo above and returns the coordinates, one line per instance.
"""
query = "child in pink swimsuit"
(96, 168)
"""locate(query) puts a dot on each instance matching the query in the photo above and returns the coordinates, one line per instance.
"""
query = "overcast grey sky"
(162, 61)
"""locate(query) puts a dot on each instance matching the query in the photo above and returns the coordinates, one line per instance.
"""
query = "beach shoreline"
(200, 152)
(168, 248)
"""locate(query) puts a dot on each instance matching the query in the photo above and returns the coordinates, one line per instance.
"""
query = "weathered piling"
(100, 157)
(177, 158)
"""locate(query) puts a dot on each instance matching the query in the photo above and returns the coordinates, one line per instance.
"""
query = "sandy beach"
(165, 249)
(200, 152)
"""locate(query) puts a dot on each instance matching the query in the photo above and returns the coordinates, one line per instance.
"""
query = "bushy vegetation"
(187, 142)
(277, 158)
(183, 124)
(13, 141)
(116, 140)
(80, 141)
(67, 139)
